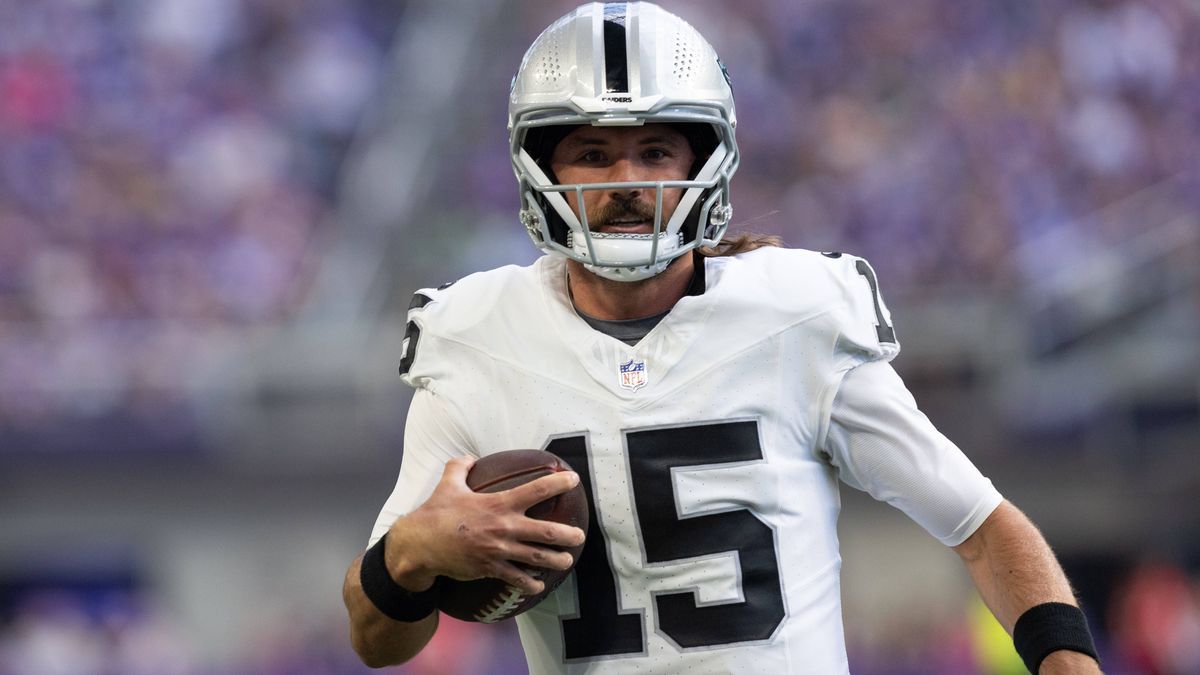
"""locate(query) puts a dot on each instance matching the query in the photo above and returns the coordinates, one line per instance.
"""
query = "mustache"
(632, 209)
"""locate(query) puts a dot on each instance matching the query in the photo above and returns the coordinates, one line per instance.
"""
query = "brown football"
(491, 600)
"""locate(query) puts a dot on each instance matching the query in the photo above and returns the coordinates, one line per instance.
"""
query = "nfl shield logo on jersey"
(633, 374)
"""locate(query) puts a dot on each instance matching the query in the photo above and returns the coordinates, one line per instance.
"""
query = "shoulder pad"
(463, 312)
(868, 323)
(412, 330)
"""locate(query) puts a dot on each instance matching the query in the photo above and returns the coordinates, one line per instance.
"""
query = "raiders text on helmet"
(623, 64)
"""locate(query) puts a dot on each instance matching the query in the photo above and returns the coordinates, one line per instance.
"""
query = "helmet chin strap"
(628, 274)
(618, 248)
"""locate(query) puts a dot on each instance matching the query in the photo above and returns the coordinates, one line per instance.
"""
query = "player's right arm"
(446, 529)
(377, 639)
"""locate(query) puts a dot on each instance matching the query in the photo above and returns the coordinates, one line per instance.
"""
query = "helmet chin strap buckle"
(721, 215)
(532, 222)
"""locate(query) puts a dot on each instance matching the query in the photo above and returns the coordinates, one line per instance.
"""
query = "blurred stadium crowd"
(169, 169)
(169, 175)
(166, 174)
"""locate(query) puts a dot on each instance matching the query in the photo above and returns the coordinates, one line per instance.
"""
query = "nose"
(624, 171)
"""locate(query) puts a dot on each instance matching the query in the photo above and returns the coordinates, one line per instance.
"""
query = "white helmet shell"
(622, 64)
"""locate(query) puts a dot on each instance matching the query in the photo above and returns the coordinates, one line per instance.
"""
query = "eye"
(592, 157)
(656, 154)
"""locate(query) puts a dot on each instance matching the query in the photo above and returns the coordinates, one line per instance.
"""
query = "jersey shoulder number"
(869, 323)
(474, 310)
(412, 330)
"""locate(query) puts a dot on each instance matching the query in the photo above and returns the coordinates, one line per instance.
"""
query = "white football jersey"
(705, 451)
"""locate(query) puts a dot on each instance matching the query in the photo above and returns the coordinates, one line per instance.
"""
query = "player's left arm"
(879, 441)
(1015, 571)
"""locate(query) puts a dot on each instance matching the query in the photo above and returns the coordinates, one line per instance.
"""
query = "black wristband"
(1049, 627)
(389, 597)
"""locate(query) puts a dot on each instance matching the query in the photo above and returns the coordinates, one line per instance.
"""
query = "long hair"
(741, 242)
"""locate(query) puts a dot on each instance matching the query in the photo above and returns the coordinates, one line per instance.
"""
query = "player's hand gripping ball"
(491, 600)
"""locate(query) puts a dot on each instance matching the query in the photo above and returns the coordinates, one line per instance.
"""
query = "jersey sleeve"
(418, 367)
(432, 437)
(866, 332)
(882, 444)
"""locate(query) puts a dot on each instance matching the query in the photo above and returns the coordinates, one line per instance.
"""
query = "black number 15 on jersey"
(602, 628)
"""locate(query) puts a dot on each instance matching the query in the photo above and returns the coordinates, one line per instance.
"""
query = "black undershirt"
(631, 331)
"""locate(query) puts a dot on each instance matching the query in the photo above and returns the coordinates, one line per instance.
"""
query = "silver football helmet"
(622, 64)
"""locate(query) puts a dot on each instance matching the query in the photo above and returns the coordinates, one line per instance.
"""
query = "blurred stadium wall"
(213, 213)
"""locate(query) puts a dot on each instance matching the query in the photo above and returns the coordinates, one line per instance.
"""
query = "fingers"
(457, 469)
(477, 535)
(540, 557)
(515, 576)
(549, 532)
(524, 496)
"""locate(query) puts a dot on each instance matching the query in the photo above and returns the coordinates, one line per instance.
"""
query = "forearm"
(459, 534)
(378, 640)
(1014, 569)
(1013, 566)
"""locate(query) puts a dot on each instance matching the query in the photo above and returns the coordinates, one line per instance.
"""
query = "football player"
(710, 394)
